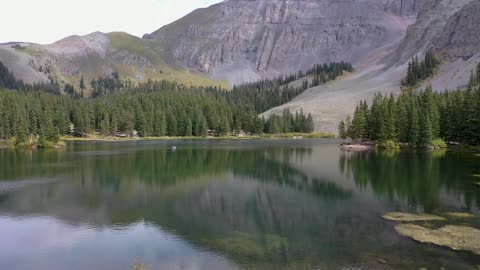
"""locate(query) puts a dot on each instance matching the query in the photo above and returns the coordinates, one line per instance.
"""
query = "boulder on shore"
(357, 146)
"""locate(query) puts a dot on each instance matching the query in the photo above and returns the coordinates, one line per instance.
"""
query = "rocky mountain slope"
(249, 39)
(448, 27)
(93, 56)
(245, 40)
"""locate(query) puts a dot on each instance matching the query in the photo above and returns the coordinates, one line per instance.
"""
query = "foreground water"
(279, 204)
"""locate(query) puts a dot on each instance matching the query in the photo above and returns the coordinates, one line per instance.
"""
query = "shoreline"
(371, 146)
(315, 135)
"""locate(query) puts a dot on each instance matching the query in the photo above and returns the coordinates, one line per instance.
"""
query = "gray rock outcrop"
(271, 37)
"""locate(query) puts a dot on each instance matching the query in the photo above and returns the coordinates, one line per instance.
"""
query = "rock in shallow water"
(459, 215)
(408, 217)
(454, 237)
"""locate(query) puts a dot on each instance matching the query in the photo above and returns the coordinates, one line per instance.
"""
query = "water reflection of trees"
(250, 205)
(417, 178)
(16, 165)
(165, 167)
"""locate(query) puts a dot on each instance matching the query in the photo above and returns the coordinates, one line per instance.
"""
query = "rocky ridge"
(245, 40)
(92, 56)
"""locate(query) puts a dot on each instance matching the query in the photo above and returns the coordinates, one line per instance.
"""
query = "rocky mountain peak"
(74, 45)
(247, 39)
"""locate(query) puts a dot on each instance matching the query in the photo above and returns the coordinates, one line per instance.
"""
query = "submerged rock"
(459, 215)
(454, 237)
(398, 216)
(382, 261)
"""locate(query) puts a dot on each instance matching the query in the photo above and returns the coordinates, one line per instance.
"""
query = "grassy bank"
(314, 135)
(436, 144)
(30, 144)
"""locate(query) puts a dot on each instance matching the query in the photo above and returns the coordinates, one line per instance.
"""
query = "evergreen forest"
(419, 118)
(119, 107)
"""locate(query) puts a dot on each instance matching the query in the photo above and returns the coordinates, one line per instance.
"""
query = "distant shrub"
(318, 135)
(12, 142)
(18, 47)
(438, 144)
(387, 144)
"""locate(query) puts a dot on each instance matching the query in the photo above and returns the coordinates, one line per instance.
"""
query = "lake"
(219, 204)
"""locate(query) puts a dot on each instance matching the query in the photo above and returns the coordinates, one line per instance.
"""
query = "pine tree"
(478, 73)
(348, 126)
(287, 120)
(163, 125)
(342, 132)
(223, 127)
(309, 125)
(391, 118)
(159, 123)
(188, 129)
(402, 119)
(473, 80)
(237, 126)
(197, 131)
(113, 125)
(182, 124)
(468, 114)
(82, 86)
(414, 127)
(172, 125)
(78, 122)
(296, 123)
(105, 125)
(273, 125)
(204, 127)
(359, 124)
(258, 125)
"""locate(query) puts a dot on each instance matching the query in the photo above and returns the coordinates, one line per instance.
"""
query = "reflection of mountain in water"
(424, 180)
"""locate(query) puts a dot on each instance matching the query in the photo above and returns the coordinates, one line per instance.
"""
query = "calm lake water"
(262, 204)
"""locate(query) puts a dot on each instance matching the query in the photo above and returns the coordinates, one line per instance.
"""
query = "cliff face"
(460, 38)
(244, 39)
(449, 27)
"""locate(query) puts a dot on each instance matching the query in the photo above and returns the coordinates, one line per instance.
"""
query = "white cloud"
(46, 21)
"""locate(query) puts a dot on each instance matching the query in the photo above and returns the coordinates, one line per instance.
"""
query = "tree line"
(152, 108)
(323, 73)
(27, 115)
(288, 123)
(8, 81)
(417, 118)
(419, 71)
(260, 95)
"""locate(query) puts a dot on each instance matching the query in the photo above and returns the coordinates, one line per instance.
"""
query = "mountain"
(245, 40)
(237, 41)
(447, 27)
(95, 55)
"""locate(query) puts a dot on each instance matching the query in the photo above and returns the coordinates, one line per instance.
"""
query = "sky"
(46, 21)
